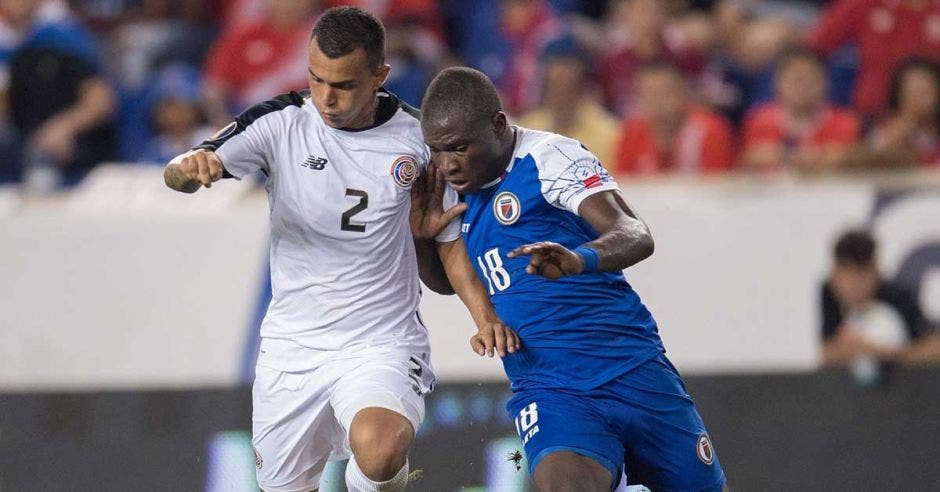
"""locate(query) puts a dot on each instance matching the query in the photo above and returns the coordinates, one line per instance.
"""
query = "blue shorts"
(643, 423)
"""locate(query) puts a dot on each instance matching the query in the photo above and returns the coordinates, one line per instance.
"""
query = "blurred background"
(786, 155)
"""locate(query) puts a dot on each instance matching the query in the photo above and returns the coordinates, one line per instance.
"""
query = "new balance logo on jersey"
(317, 163)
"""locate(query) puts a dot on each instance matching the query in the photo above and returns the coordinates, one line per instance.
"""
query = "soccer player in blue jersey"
(549, 234)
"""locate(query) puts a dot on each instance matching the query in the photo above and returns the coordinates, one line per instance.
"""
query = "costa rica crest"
(506, 208)
(405, 170)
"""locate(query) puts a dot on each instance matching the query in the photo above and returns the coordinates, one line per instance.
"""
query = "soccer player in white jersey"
(344, 361)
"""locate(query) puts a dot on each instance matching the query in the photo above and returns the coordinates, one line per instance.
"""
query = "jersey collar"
(388, 106)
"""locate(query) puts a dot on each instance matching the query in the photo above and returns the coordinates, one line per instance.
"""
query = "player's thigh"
(564, 471)
(550, 422)
(667, 445)
(393, 381)
(294, 430)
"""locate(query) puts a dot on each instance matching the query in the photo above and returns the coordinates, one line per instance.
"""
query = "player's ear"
(500, 124)
(381, 75)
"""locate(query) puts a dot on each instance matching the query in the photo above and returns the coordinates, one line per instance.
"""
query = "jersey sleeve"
(244, 145)
(241, 149)
(569, 173)
(452, 231)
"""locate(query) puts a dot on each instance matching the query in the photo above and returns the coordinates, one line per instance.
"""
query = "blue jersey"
(577, 332)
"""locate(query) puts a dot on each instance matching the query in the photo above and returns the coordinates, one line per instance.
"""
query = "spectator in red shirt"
(639, 37)
(886, 32)
(529, 26)
(669, 134)
(254, 61)
(799, 129)
(911, 133)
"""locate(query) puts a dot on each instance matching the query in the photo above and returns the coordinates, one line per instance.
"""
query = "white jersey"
(343, 267)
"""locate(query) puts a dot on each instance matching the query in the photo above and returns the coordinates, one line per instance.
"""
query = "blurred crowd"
(651, 86)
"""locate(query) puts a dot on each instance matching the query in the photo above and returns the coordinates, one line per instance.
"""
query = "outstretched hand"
(428, 217)
(550, 260)
(494, 335)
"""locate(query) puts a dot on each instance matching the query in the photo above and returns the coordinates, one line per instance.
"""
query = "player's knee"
(380, 440)
(568, 472)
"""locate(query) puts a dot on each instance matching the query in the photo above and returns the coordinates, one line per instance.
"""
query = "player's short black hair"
(857, 247)
(912, 65)
(462, 92)
(341, 30)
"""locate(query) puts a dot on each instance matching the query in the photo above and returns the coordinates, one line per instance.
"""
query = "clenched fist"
(203, 166)
(192, 170)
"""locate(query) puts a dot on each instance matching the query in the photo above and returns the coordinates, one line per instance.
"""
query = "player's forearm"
(175, 179)
(623, 246)
(430, 268)
(465, 283)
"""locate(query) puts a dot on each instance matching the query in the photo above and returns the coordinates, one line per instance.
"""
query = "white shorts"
(300, 419)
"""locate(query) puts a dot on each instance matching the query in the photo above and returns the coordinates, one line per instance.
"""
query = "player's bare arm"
(624, 241)
(491, 334)
(428, 219)
(193, 170)
(430, 269)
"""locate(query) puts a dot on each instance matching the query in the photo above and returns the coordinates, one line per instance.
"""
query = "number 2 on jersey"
(345, 224)
(491, 264)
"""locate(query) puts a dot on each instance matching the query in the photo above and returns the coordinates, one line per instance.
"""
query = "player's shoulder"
(278, 106)
(283, 105)
(550, 150)
(402, 122)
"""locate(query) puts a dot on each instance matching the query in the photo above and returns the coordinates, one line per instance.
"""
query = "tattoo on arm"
(175, 179)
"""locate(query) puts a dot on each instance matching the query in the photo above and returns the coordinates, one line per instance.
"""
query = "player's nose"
(449, 164)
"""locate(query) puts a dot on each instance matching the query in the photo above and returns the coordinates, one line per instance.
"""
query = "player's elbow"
(442, 288)
(645, 245)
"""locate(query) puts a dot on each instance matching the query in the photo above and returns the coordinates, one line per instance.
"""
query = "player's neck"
(368, 115)
(506, 157)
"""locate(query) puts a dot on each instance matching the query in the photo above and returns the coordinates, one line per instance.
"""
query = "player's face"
(343, 88)
(469, 155)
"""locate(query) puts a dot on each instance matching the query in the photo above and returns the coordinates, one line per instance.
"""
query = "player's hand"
(202, 166)
(428, 217)
(550, 260)
(494, 335)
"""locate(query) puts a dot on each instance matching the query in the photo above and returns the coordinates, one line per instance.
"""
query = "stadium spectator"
(254, 60)
(60, 104)
(886, 32)
(638, 35)
(176, 117)
(415, 47)
(864, 315)
(157, 34)
(570, 106)
(529, 26)
(740, 72)
(670, 134)
(799, 130)
(911, 132)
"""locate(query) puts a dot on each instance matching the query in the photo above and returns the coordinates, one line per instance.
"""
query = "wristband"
(590, 258)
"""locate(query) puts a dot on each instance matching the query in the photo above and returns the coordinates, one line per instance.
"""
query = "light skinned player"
(344, 359)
